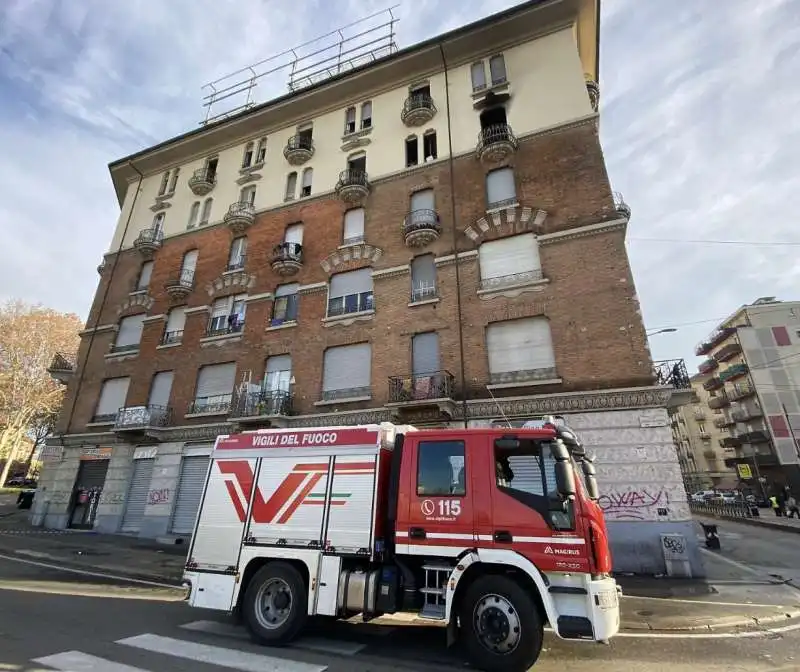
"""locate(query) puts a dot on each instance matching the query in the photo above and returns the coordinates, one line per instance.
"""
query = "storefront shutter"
(520, 345)
(509, 256)
(346, 367)
(425, 353)
(137, 495)
(130, 330)
(190, 493)
(216, 380)
(354, 282)
(112, 396)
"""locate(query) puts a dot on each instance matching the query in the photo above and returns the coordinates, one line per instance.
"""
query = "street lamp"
(666, 330)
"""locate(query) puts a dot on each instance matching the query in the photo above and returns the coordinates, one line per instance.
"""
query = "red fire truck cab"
(493, 532)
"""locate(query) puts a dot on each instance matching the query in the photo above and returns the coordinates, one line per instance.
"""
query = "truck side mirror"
(591, 481)
(565, 479)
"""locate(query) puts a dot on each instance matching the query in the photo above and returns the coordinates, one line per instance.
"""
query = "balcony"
(513, 280)
(708, 365)
(236, 264)
(424, 292)
(496, 143)
(416, 392)
(63, 366)
(705, 436)
(149, 242)
(672, 372)
(240, 217)
(713, 340)
(740, 391)
(142, 419)
(621, 207)
(710, 454)
(733, 371)
(720, 401)
(418, 110)
(353, 186)
(421, 227)
(727, 351)
(270, 406)
(121, 349)
(224, 326)
(721, 423)
(699, 415)
(522, 378)
(352, 303)
(298, 150)
(758, 436)
(219, 404)
(713, 383)
(287, 258)
(180, 285)
(745, 414)
(730, 442)
(202, 181)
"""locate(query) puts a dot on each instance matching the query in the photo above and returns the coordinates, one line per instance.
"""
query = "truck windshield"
(528, 475)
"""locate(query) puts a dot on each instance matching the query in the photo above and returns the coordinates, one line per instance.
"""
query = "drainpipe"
(102, 302)
(454, 228)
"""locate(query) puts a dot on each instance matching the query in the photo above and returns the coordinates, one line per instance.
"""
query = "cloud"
(698, 129)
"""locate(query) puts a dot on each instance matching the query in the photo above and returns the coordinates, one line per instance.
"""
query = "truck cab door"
(435, 517)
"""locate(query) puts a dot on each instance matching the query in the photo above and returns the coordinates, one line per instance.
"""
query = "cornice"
(583, 231)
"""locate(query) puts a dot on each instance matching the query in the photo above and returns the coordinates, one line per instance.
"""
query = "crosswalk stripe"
(217, 655)
(75, 661)
(336, 647)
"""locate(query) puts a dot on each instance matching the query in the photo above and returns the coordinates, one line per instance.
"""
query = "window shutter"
(291, 186)
(215, 380)
(520, 345)
(144, 275)
(509, 256)
(287, 290)
(425, 353)
(207, 210)
(354, 223)
(500, 186)
(189, 261)
(353, 282)
(294, 234)
(497, 69)
(161, 389)
(423, 272)
(193, 215)
(366, 111)
(278, 373)
(346, 367)
(112, 396)
(130, 330)
(279, 363)
(221, 307)
(422, 200)
(238, 250)
(478, 73)
(308, 177)
(176, 320)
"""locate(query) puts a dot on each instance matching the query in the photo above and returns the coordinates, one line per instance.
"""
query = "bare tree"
(29, 397)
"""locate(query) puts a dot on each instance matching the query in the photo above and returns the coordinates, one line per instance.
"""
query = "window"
(420, 90)
(347, 372)
(441, 469)
(291, 186)
(112, 397)
(158, 224)
(350, 120)
(423, 278)
(143, 281)
(366, 115)
(501, 191)
(237, 254)
(412, 151)
(261, 151)
(308, 176)
(214, 388)
(248, 195)
(357, 162)
(429, 148)
(284, 306)
(350, 292)
(353, 227)
(164, 182)
(206, 216)
(129, 334)
(160, 390)
(211, 168)
(425, 354)
(278, 374)
(227, 315)
(294, 234)
(497, 69)
(494, 119)
(478, 73)
(509, 261)
(306, 134)
(174, 181)
(188, 266)
(194, 211)
(247, 159)
(173, 330)
(520, 350)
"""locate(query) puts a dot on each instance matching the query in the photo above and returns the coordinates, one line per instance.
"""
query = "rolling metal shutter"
(91, 474)
(425, 353)
(520, 345)
(509, 256)
(189, 261)
(144, 275)
(137, 495)
(190, 493)
(294, 234)
(176, 320)
(347, 367)
(353, 282)
(112, 396)
(130, 330)
(500, 186)
(422, 200)
(353, 224)
(161, 389)
(215, 380)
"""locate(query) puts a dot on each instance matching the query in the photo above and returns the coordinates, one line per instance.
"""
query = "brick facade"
(590, 299)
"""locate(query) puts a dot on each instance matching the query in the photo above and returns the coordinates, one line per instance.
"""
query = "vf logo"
(428, 507)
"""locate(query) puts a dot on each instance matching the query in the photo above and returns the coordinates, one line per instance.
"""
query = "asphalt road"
(56, 620)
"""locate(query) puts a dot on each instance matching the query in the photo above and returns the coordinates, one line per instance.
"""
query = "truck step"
(432, 591)
(438, 568)
(434, 612)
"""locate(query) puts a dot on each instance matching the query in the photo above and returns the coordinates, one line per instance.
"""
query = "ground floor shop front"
(154, 491)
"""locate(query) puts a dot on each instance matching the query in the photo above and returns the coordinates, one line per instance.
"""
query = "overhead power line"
(750, 243)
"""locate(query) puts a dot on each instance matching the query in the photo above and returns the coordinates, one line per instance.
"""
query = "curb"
(711, 627)
(752, 522)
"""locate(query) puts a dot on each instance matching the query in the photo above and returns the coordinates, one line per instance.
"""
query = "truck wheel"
(275, 605)
(501, 628)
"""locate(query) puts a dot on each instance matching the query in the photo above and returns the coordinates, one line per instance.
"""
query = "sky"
(699, 126)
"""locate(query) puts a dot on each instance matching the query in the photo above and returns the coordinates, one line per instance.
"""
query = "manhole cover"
(644, 613)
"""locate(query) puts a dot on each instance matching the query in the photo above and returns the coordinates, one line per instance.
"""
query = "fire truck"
(493, 533)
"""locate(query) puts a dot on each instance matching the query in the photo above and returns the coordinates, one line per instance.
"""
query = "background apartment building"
(752, 376)
(429, 239)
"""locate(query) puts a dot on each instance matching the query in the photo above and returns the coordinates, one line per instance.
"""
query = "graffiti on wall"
(635, 503)
(160, 496)
(112, 497)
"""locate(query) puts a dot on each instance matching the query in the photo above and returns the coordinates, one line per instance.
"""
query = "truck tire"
(275, 605)
(501, 629)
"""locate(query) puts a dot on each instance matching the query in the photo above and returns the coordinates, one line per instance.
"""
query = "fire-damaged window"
(440, 469)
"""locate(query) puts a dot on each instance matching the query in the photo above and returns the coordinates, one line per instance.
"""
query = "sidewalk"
(766, 519)
(728, 598)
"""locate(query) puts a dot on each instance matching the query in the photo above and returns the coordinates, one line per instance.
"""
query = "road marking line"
(85, 572)
(217, 655)
(323, 645)
(734, 563)
(75, 661)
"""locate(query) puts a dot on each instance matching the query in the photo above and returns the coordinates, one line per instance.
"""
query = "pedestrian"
(791, 507)
(776, 507)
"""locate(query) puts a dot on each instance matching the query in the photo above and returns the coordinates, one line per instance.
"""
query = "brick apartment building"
(430, 238)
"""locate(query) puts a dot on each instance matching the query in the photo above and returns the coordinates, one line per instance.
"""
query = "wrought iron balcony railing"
(672, 372)
(347, 393)
(417, 109)
(220, 403)
(142, 417)
(287, 252)
(220, 326)
(183, 280)
(63, 362)
(424, 293)
(172, 337)
(436, 385)
(352, 177)
(352, 303)
(236, 264)
(262, 403)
